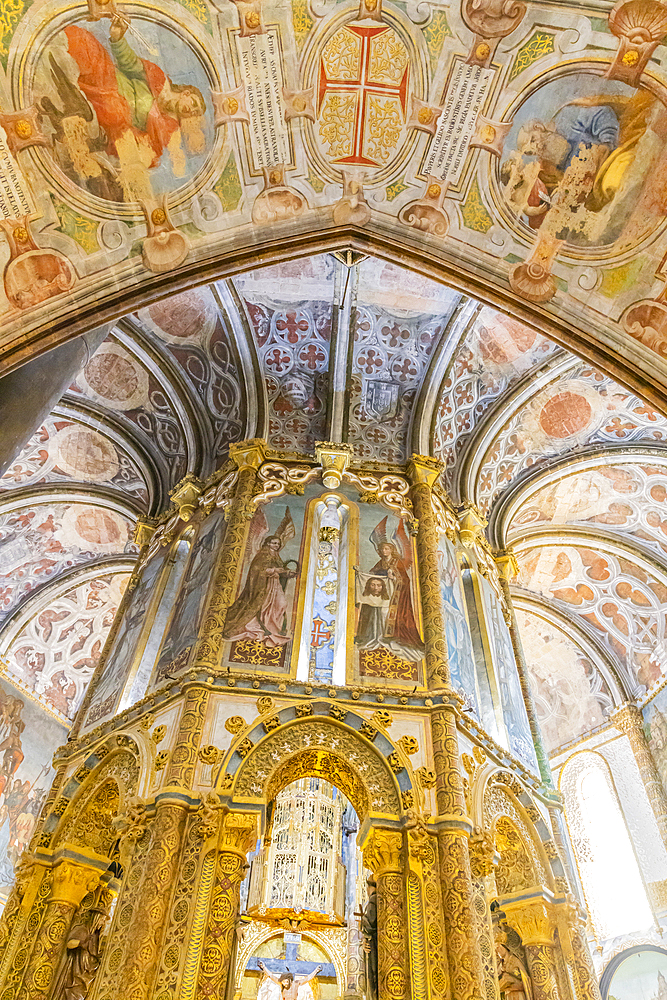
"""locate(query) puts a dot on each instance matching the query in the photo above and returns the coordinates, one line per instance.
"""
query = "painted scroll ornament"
(490, 20)
(640, 25)
(230, 106)
(646, 321)
(164, 248)
(351, 209)
(423, 117)
(427, 213)
(251, 20)
(490, 135)
(32, 275)
(277, 201)
(532, 280)
(22, 129)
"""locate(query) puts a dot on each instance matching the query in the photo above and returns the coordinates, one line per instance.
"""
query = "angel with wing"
(386, 616)
(260, 611)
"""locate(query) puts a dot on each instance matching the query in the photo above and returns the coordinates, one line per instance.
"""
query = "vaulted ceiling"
(567, 465)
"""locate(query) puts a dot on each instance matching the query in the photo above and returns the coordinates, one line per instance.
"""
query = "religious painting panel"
(188, 610)
(261, 620)
(29, 736)
(43, 540)
(515, 720)
(655, 725)
(387, 635)
(584, 160)
(126, 106)
(125, 648)
(457, 630)
(55, 653)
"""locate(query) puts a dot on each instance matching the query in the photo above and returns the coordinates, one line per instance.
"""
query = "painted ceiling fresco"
(566, 463)
(519, 153)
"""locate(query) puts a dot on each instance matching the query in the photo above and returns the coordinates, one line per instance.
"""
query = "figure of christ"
(386, 616)
(138, 108)
(260, 611)
(288, 982)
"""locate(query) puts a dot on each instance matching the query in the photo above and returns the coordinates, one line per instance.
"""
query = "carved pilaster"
(238, 834)
(383, 854)
(628, 718)
(428, 956)
(71, 882)
(483, 860)
(507, 570)
(248, 456)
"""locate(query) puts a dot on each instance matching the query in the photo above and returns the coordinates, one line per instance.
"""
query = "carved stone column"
(428, 954)
(587, 985)
(534, 923)
(157, 879)
(248, 456)
(238, 835)
(71, 882)
(465, 961)
(628, 718)
(507, 570)
(483, 860)
(383, 855)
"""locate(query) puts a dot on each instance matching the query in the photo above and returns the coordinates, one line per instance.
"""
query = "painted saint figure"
(260, 611)
(290, 985)
(386, 617)
(116, 117)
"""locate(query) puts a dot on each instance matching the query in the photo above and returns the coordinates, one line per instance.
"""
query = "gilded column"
(628, 718)
(483, 860)
(534, 923)
(71, 882)
(465, 960)
(587, 984)
(238, 835)
(160, 871)
(507, 570)
(248, 456)
(383, 854)
(428, 954)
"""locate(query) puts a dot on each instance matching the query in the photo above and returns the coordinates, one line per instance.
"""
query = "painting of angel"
(586, 170)
(121, 127)
(384, 597)
(260, 612)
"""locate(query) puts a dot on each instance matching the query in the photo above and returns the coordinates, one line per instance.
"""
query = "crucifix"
(292, 965)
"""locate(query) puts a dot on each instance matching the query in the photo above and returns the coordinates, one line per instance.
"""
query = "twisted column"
(238, 835)
(628, 718)
(383, 854)
(465, 960)
(531, 920)
(71, 882)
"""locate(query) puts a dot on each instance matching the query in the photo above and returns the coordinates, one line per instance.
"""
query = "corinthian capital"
(382, 853)
(533, 920)
(248, 454)
(238, 833)
(72, 881)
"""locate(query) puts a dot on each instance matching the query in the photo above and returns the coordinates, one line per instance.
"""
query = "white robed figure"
(286, 986)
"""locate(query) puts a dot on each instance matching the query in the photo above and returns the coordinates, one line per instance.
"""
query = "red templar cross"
(374, 75)
(320, 634)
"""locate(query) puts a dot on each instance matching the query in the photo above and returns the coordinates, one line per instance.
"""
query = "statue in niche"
(291, 986)
(513, 977)
(369, 931)
(260, 612)
(82, 958)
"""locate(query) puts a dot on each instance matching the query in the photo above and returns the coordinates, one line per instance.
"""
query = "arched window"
(610, 874)
(152, 637)
(322, 650)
